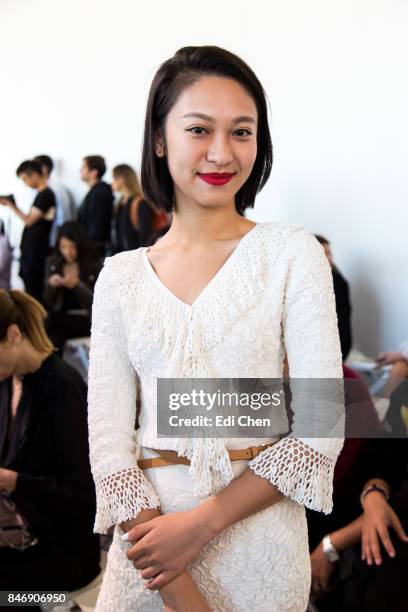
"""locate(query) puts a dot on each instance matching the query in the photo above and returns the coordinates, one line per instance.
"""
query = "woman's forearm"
(243, 497)
(347, 536)
(19, 213)
(182, 595)
(142, 517)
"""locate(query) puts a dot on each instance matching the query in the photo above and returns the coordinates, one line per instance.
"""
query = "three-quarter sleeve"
(122, 490)
(301, 465)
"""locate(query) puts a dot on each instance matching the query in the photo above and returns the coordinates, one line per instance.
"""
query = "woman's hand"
(166, 545)
(378, 517)
(180, 594)
(70, 281)
(322, 569)
(8, 480)
(55, 280)
(388, 357)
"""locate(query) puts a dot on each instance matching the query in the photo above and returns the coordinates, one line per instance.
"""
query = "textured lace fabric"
(273, 295)
(261, 563)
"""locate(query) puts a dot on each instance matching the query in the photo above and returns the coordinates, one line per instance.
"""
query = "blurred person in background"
(96, 211)
(5, 258)
(38, 222)
(134, 218)
(71, 273)
(360, 565)
(399, 370)
(44, 464)
(65, 205)
(342, 295)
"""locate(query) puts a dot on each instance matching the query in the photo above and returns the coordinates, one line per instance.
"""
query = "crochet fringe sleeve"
(122, 490)
(302, 467)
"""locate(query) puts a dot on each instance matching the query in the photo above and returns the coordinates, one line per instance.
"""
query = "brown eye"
(196, 130)
(243, 132)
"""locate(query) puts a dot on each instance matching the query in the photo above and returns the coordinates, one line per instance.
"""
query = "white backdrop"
(75, 76)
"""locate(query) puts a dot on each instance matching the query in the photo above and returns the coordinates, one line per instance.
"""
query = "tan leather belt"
(168, 457)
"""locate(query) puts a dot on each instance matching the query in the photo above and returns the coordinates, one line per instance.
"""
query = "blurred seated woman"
(71, 273)
(361, 563)
(44, 463)
(134, 217)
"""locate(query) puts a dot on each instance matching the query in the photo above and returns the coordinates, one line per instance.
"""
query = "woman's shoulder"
(282, 231)
(123, 261)
(61, 376)
(275, 238)
(122, 269)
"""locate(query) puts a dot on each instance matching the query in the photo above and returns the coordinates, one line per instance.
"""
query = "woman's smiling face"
(210, 130)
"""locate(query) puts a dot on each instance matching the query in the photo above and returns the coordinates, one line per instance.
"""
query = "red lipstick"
(216, 178)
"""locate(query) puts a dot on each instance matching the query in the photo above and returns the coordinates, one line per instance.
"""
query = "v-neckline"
(210, 283)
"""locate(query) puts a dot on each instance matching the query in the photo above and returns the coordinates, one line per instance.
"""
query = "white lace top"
(274, 293)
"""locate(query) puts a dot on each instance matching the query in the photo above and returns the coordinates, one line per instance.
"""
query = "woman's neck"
(203, 225)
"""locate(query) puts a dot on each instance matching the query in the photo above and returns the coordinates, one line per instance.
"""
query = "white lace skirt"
(261, 563)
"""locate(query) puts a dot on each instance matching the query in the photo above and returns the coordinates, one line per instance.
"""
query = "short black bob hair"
(321, 239)
(29, 167)
(45, 160)
(180, 71)
(96, 162)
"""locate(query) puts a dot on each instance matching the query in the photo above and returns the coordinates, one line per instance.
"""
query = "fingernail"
(125, 537)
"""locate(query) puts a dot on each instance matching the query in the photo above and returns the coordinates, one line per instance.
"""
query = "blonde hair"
(129, 177)
(19, 308)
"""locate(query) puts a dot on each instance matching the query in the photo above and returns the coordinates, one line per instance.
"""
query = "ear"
(14, 335)
(159, 145)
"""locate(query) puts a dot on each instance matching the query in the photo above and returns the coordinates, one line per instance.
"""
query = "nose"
(220, 151)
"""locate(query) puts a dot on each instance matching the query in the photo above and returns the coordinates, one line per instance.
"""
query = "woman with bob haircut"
(208, 523)
(44, 455)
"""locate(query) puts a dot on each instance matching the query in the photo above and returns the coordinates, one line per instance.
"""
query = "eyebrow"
(242, 118)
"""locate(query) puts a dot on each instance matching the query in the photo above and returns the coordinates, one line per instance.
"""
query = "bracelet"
(373, 487)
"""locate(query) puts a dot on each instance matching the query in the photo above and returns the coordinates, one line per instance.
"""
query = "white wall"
(75, 77)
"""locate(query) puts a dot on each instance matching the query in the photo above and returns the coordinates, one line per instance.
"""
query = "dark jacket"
(95, 213)
(47, 444)
(83, 292)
